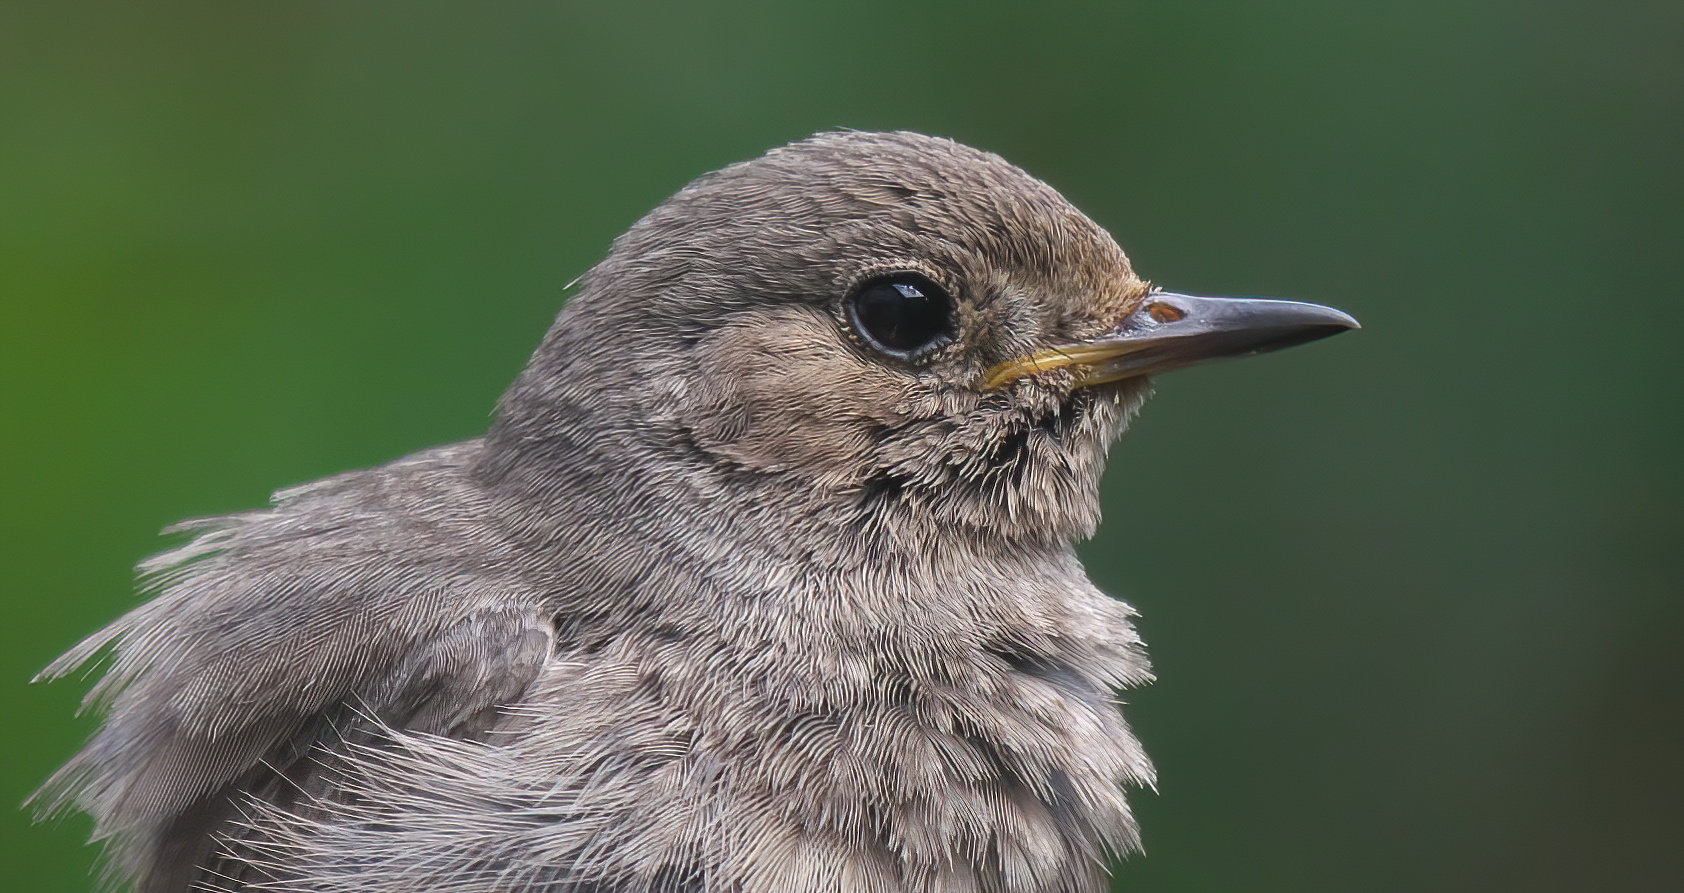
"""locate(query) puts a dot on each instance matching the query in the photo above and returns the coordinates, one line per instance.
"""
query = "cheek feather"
(1025, 464)
(782, 391)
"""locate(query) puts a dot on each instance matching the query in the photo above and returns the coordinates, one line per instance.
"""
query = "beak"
(1169, 331)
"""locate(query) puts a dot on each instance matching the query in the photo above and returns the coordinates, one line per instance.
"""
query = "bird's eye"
(903, 314)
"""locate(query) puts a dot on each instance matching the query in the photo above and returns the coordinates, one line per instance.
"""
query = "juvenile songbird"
(761, 582)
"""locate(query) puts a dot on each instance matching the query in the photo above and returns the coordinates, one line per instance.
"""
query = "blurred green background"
(1413, 593)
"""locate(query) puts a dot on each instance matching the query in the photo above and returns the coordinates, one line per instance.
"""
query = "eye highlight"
(902, 314)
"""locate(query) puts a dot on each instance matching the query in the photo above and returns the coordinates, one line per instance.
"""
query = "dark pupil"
(899, 316)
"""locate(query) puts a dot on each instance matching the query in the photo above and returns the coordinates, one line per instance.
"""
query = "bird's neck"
(779, 601)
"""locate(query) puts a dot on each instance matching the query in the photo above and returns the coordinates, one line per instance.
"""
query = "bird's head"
(895, 327)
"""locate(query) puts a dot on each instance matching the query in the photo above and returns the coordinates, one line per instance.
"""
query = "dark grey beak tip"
(1246, 325)
(1166, 307)
(1241, 327)
(1342, 319)
(1170, 331)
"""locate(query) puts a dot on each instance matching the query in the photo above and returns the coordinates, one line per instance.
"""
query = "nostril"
(1163, 311)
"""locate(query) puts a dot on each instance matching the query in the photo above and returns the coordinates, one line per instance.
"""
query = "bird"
(762, 580)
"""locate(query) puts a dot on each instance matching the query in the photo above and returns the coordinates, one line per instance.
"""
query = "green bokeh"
(1412, 593)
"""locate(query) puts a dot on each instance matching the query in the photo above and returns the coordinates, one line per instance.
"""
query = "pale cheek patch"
(783, 390)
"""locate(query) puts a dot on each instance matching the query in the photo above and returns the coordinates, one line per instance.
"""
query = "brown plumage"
(736, 595)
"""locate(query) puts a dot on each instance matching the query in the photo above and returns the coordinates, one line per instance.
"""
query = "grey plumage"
(726, 600)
